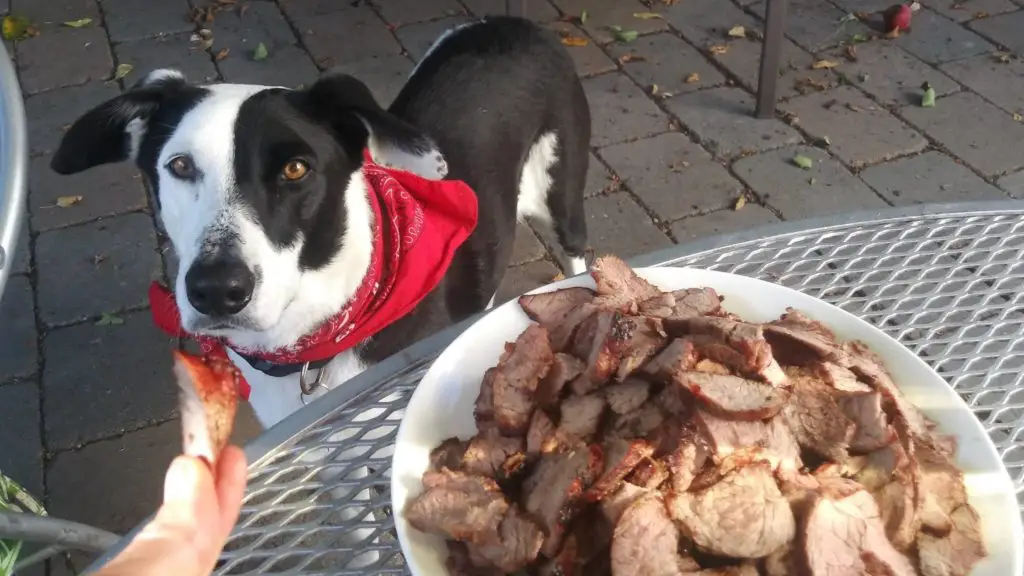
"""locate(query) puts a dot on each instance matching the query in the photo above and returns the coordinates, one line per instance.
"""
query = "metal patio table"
(13, 164)
(945, 280)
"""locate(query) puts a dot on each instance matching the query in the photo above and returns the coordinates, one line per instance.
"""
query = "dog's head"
(260, 191)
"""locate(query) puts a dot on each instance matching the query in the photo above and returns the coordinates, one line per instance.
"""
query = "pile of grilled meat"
(636, 432)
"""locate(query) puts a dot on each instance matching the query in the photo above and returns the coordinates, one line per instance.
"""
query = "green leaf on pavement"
(15, 27)
(123, 70)
(583, 17)
(803, 161)
(626, 35)
(928, 99)
(260, 53)
(80, 23)
(108, 319)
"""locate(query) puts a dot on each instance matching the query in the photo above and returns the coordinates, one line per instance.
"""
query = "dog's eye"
(182, 167)
(295, 170)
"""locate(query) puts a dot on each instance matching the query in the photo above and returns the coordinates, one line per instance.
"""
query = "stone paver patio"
(87, 406)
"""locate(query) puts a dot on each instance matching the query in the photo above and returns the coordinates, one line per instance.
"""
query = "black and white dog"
(262, 193)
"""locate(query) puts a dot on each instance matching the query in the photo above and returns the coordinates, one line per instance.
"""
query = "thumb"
(189, 493)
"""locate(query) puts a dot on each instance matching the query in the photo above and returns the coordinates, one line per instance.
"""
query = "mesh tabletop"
(946, 281)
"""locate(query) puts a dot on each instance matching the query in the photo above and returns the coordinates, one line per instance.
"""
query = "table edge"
(13, 164)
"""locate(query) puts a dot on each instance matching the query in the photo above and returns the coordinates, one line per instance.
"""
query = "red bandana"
(424, 221)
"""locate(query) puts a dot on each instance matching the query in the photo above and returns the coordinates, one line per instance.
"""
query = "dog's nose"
(219, 287)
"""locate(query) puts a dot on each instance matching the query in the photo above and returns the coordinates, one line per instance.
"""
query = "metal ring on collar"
(309, 388)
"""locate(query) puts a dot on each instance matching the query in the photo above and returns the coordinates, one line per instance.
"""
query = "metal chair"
(771, 52)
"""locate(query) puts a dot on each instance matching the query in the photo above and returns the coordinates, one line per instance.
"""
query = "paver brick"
(705, 23)
(384, 76)
(666, 61)
(285, 65)
(1004, 30)
(51, 14)
(50, 112)
(309, 9)
(975, 131)
(610, 13)
(171, 51)
(346, 37)
(673, 176)
(22, 456)
(743, 59)
(109, 263)
(64, 57)
(520, 279)
(861, 131)
(617, 225)
(1013, 184)
(527, 247)
(890, 75)
(816, 25)
(964, 11)
(935, 39)
(105, 190)
(867, 7)
(723, 121)
(100, 381)
(18, 347)
(599, 179)
(929, 177)
(22, 251)
(81, 486)
(536, 10)
(399, 12)
(132, 20)
(418, 38)
(722, 222)
(620, 111)
(999, 83)
(590, 59)
(827, 188)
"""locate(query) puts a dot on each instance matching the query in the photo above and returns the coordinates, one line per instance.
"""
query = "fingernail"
(182, 479)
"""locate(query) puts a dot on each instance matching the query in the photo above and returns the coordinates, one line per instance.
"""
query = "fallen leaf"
(852, 107)
(811, 181)
(654, 90)
(122, 71)
(222, 54)
(574, 41)
(850, 52)
(824, 65)
(1003, 58)
(67, 201)
(693, 78)
(679, 166)
(626, 35)
(737, 32)
(719, 49)
(928, 98)
(648, 15)
(108, 319)
(803, 161)
(981, 14)
(790, 118)
(15, 27)
(740, 203)
(260, 53)
(1017, 117)
(863, 77)
(858, 38)
(558, 277)
(631, 57)
(80, 23)
(614, 28)
(583, 17)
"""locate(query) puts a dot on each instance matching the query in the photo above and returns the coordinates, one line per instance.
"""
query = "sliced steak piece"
(564, 368)
(660, 306)
(554, 488)
(618, 286)
(679, 356)
(627, 396)
(460, 562)
(646, 338)
(581, 416)
(842, 380)
(514, 383)
(560, 312)
(692, 302)
(797, 340)
(448, 454)
(733, 397)
(620, 458)
(599, 341)
(942, 488)
(712, 367)
(782, 562)
(636, 424)
(650, 473)
(745, 569)
(647, 542)
(458, 506)
(539, 436)
(675, 402)
(815, 419)
(871, 426)
(880, 466)
(687, 459)
(483, 411)
(493, 455)
(773, 438)
(590, 535)
(958, 552)
(618, 501)
(743, 515)
(755, 359)
(517, 543)
(838, 530)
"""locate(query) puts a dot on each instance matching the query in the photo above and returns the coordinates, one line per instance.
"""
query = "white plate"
(442, 406)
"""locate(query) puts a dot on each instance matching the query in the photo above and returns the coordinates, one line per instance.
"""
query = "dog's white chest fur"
(275, 398)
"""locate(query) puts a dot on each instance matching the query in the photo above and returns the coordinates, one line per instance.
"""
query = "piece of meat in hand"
(647, 542)
(208, 398)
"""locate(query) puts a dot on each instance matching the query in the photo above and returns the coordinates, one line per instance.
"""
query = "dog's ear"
(359, 122)
(112, 131)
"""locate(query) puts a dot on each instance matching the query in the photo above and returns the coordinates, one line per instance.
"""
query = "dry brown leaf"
(737, 32)
(740, 203)
(575, 41)
(654, 90)
(719, 49)
(558, 277)
(222, 54)
(850, 52)
(67, 201)
(824, 65)
(679, 166)
(981, 14)
(631, 57)
(693, 78)
(647, 16)
(1017, 116)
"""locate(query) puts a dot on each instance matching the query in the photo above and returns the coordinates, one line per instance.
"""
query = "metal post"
(32, 528)
(515, 8)
(771, 55)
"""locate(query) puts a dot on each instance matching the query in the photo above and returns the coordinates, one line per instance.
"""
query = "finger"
(189, 494)
(231, 477)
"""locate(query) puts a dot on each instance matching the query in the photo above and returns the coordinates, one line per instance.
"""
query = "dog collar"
(419, 223)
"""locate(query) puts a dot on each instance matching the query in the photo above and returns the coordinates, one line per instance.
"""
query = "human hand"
(199, 510)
